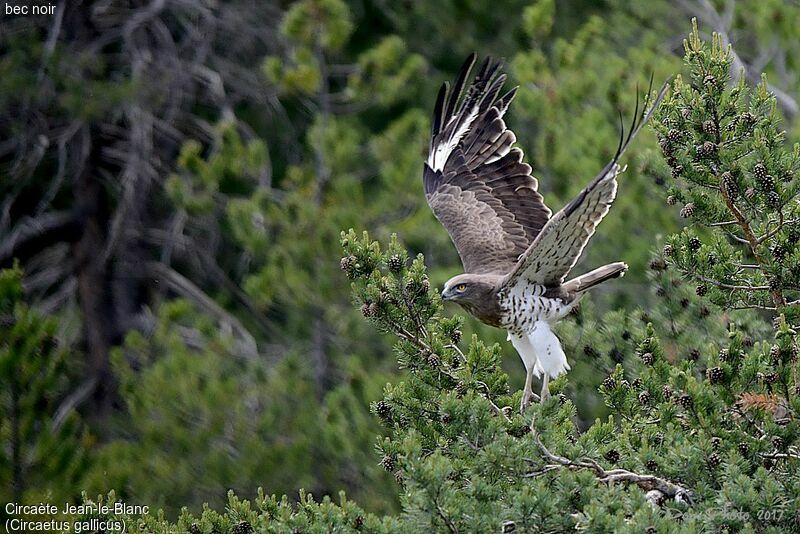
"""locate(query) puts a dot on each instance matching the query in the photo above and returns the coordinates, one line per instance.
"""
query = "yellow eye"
(461, 287)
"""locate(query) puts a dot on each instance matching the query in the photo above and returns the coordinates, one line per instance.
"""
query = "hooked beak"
(445, 296)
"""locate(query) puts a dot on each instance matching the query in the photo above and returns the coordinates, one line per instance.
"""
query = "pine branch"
(648, 483)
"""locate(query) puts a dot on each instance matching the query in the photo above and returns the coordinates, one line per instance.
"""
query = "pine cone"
(773, 199)
(687, 211)
(671, 200)
(387, 462)
(348, 264)
(455, 335)
(703, 312)
(384, 410)
(460, 388)
(765, 183)
(657, 264)
(677, 171)
(612, 456)
(747, 118)
(667, 392)
(723, 355)
(644, 397)
(666, 146)
(369, 310)
(760, 171)
(700, 152)
(779, 253)
(685, 401)
(637, 383)
(710, 127)
(743, 447)
(684, 302)
(701, 290)
(694, 355)
(433, 360)
(775, 283)
(775, 354)
(358, 523)
(715, 443)
(771, 378)
(715, 375)
(426, 284)
(714, 459)
(709, 79)
(748, 341)
(709, 148)
(395, 263)
(660, 291)
(648, 358)
(242, 527)
(794, 235)
(609, 382)
(668, 250)
(729, 185)
(674, 135)
(777, 442)
(651, 465)
(694, 244)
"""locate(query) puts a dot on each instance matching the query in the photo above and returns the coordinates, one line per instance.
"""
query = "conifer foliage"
(734, 176)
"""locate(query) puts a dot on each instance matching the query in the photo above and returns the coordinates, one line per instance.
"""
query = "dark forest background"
(174, 175)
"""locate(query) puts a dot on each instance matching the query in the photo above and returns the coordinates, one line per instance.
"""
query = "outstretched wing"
(477, 184)
(558, 246)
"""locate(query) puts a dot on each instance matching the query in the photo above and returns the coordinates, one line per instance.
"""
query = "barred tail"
(597, 276)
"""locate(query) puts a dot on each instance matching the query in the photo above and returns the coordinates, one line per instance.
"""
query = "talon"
(526, 401)
(527, 397)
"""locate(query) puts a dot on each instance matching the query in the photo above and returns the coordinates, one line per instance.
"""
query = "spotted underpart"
(526, 303)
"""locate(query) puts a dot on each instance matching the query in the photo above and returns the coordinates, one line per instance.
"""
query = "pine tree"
(43, 454)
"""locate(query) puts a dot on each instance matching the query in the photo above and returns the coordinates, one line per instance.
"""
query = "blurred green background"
(173, 180)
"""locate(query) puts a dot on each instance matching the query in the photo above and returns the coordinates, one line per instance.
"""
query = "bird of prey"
(516, 253)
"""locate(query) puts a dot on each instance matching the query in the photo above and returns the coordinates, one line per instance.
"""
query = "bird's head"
(468, 288)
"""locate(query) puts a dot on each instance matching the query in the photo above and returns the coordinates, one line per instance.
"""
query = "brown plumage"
(515, 255)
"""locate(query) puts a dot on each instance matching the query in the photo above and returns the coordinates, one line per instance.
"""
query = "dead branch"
(647, 483)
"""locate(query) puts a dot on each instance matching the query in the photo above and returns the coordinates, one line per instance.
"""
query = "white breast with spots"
(524, 304)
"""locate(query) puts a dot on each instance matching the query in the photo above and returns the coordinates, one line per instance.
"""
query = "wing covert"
(555, 251)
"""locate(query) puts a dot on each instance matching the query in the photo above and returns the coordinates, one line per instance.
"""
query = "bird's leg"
(545, 387)
(527, 392)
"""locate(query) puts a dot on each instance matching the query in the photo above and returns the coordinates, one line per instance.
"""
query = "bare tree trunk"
(94, 280)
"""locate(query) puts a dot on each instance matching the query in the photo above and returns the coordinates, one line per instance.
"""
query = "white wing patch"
(439, 156)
